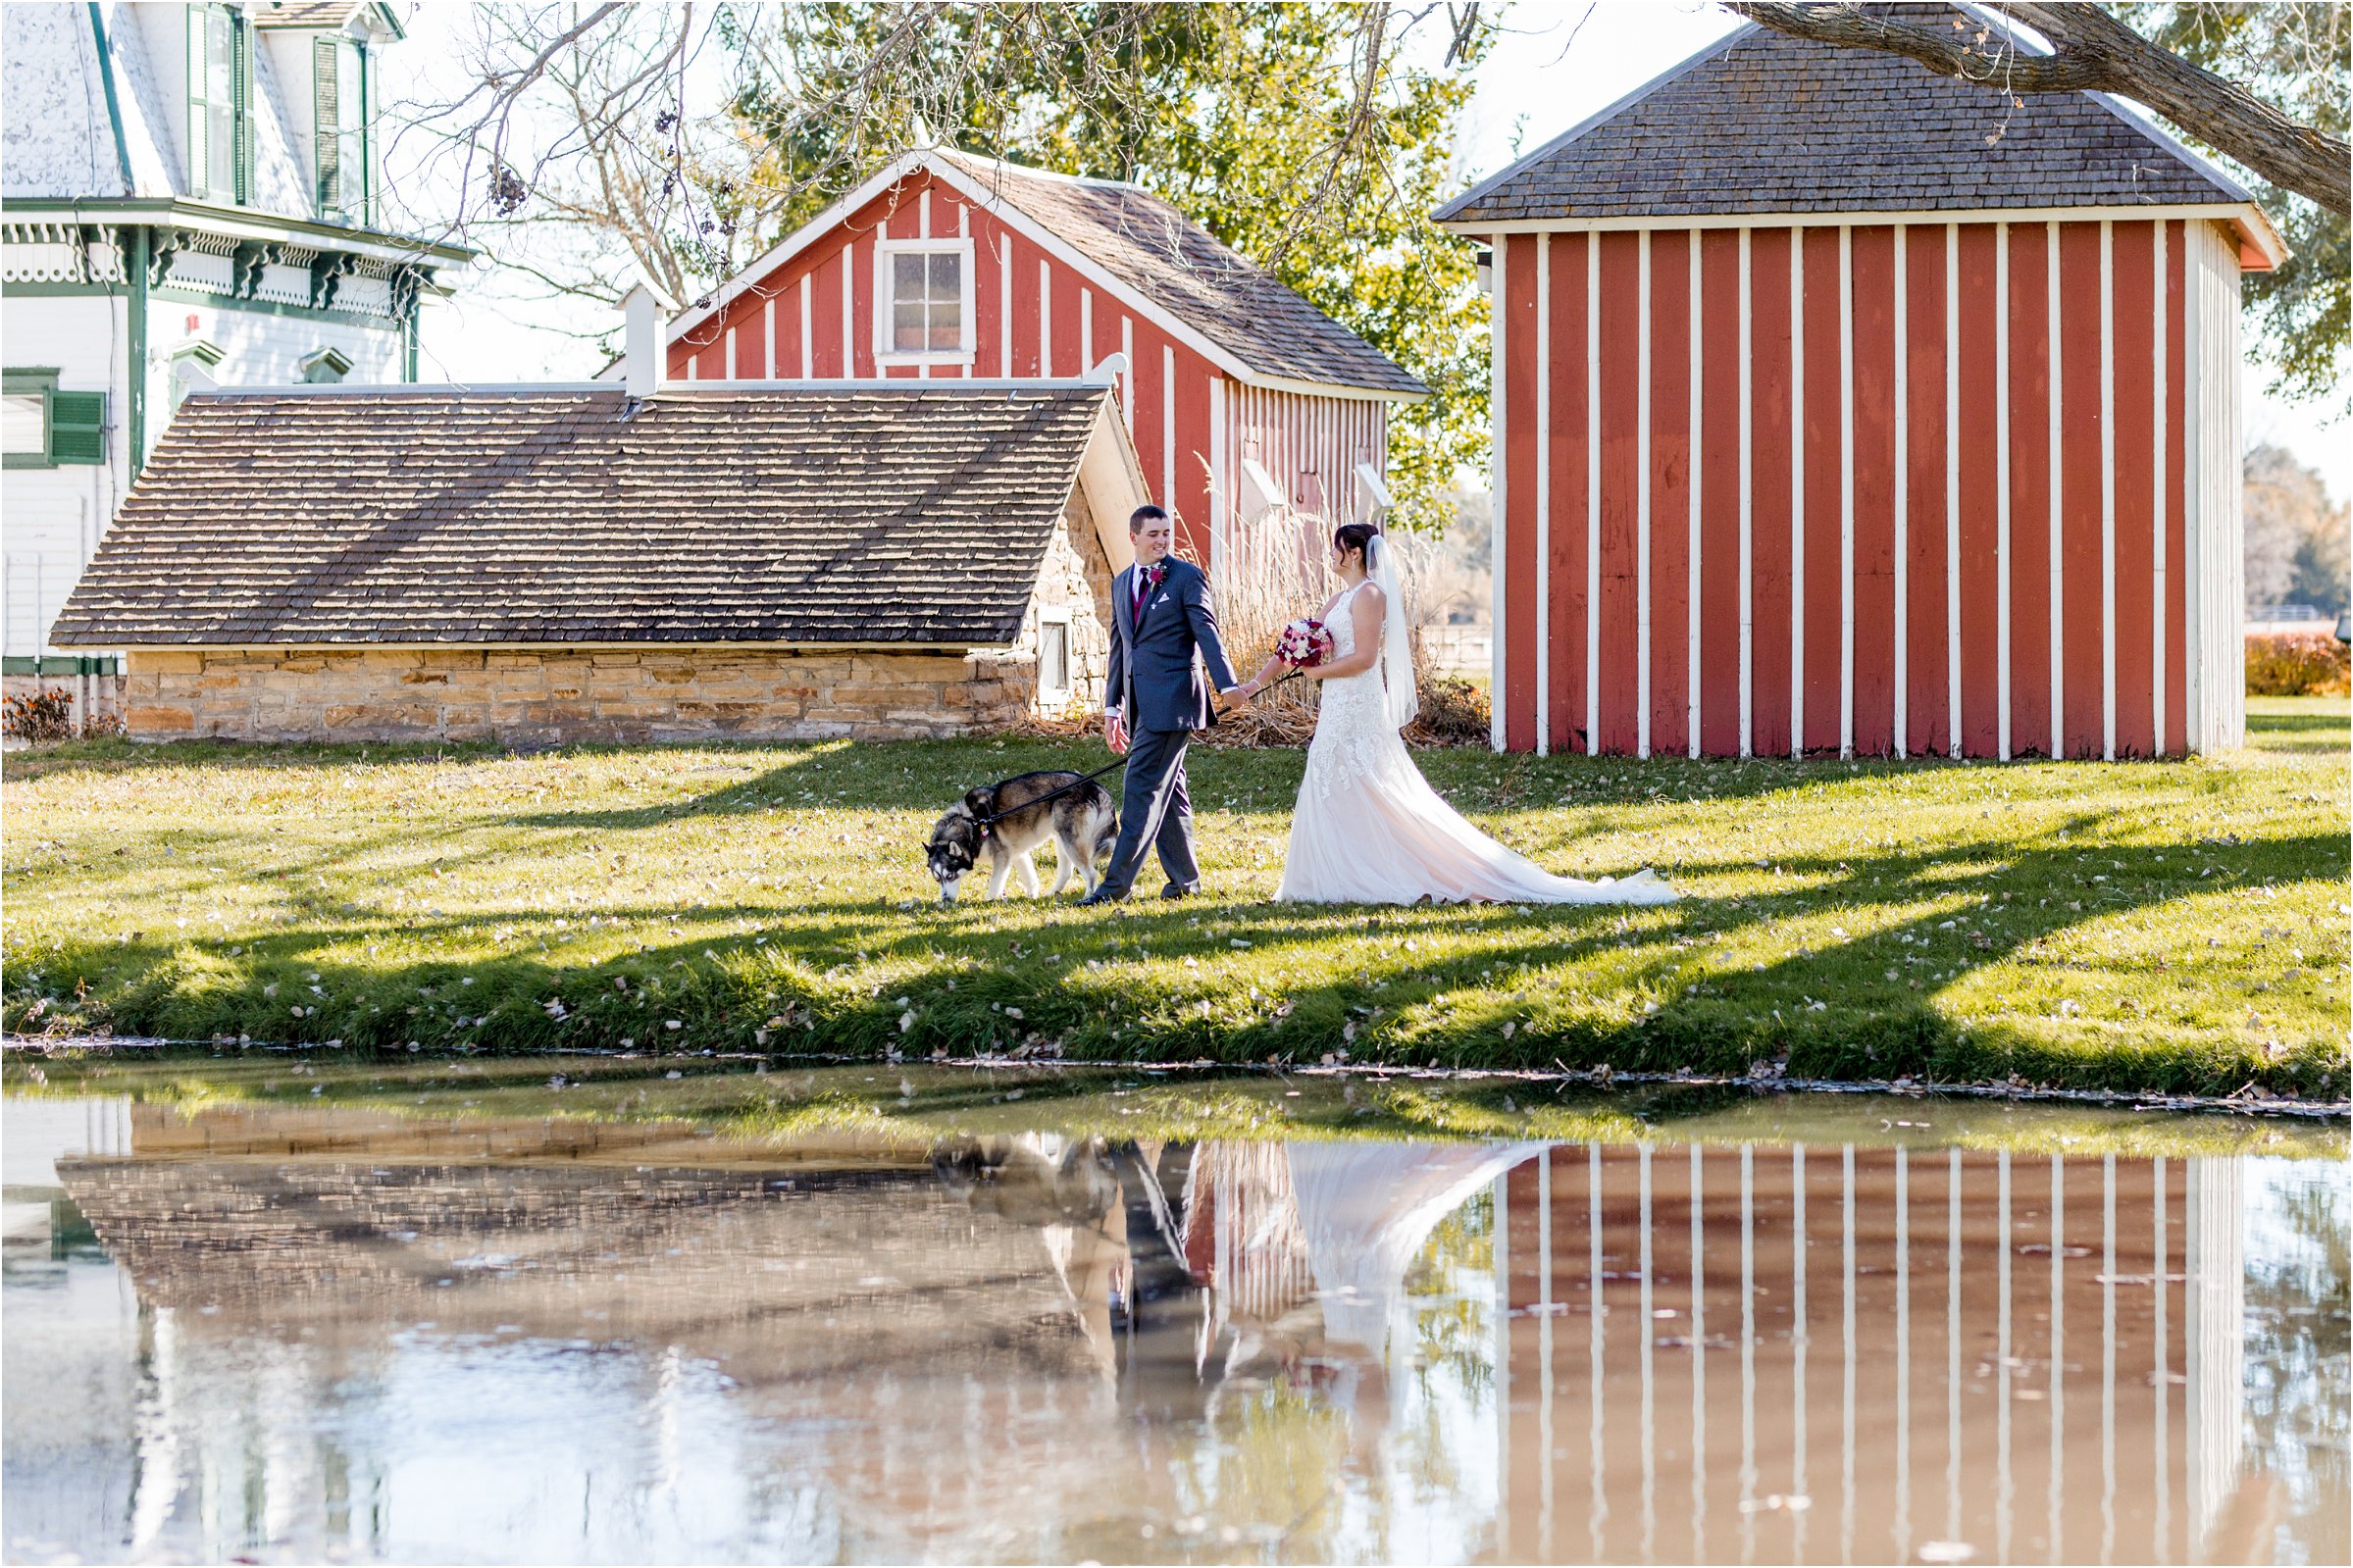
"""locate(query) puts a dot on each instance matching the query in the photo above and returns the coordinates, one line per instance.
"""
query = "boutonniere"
(1156, 574)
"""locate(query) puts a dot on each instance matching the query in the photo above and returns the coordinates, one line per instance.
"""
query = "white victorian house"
(188, 193)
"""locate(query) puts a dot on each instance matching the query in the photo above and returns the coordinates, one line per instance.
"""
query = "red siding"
(1875, 463)
(1719, 493)
(1566, 549)
(1980, 502)
(1028, 302)
(1926, 692)
(1515, 261)
(1620, 339)
(2081, 500)
(1824, 590)
(1670, 490)
(2029, 491)
(1769, 477)
(2133, 263)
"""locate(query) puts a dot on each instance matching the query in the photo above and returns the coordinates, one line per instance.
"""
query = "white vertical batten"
(1086, 329)
(1748, 615)
(1498, 493)
(1691, 557)
(1168, 426)
(2001, 387)
(1846, 490)
(2158, 514)
(730, 354)
(808, 336)
(1797, 492)
(2108, 489)
(849, 301)
(1642, 499)
(2193, 479)
(1046, 318)
(1903, 509)
(1004, 306)
(923, 230)
(1593, 494)
(768, 338)
(1953, 485)
(1221, 512)
(1127, 376)
(2055, 414)
(1543, 495)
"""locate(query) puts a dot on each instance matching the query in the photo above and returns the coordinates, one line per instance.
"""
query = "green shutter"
(241, 90)
(365, 175)
(327, 124)
(77, 427)
(198, 163)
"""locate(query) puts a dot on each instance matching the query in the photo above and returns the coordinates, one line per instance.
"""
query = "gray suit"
(1158, 685)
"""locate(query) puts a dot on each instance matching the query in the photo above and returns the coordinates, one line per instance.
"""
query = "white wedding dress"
(1369, 829)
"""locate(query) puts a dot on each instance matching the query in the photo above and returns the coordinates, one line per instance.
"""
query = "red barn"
(1844, 408)
(1240, 396)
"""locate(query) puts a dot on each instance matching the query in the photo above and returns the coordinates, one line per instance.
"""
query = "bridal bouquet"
(1303, 643)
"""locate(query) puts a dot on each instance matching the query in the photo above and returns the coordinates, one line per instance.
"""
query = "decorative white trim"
(1953, 485)
(2253, 227)
(1543, 495)
(1221, 518)
(808, 333)
(1499, 502)
(2108, 491)
(2156, 461)
(1693, 431)
(2001, 548)
(1045, 316)
(850, 303)
(1747, 498)
(2053, 413)
(768, 331)
(1168, 426)
(1642, 497)
(1903, 492)
(1846, 491)
(1005, 305)
(1797, 492)
(1593, 497)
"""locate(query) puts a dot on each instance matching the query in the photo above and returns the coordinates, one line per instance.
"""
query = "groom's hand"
(1240, 693)
(1116, 733)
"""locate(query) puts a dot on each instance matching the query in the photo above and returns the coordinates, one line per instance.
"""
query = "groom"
(1164, 628)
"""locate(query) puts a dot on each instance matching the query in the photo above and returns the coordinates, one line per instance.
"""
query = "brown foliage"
(2301, 664)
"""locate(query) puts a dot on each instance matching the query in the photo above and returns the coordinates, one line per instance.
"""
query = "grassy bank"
(2174, 926)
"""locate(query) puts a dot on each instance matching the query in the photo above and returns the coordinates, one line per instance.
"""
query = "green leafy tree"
(2293, 56)
(1313, 137)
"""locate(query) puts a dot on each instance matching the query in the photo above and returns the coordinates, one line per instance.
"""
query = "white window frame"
(883, 253)
(1062, 693)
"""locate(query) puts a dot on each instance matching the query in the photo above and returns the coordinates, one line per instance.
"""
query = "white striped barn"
(1843, 408)
(1245, 403)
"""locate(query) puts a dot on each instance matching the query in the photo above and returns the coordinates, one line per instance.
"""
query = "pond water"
(560, 1311)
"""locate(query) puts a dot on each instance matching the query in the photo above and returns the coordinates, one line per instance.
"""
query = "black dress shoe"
(1102, 895)
(1180, 891)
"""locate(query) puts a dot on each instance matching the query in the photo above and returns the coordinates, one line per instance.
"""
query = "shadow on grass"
(1567, 985)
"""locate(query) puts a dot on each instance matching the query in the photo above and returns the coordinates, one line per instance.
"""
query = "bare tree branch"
(2092, 51)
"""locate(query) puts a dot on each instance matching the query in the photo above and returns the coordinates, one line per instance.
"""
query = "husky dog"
(1082, 823)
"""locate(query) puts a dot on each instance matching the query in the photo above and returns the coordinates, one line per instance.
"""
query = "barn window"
(220, 71)
(924, 288)
(1054, 659)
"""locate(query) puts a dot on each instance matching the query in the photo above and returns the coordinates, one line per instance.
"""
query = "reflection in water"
(268, 1331)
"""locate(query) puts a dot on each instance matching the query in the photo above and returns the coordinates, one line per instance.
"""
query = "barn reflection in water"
(361, 1334)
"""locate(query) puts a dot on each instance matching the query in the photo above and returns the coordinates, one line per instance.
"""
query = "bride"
(1368, 828)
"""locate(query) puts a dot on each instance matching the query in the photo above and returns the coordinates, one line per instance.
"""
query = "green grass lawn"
(2137, 925)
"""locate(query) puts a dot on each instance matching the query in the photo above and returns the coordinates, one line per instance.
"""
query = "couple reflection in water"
(1197, 1271)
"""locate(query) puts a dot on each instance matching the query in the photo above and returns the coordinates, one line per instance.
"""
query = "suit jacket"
(1156, 679)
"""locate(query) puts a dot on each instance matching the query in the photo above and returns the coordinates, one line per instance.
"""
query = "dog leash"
(1115, 764)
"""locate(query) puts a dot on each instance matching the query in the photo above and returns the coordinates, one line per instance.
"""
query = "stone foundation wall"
(636, 694)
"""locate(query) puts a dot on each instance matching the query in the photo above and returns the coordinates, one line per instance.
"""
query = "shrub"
(43, 715)
(2300, 663)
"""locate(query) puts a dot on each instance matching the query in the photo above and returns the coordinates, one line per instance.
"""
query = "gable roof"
(1143, 249)
(914, 516)
(308, 14)
(1763, 123)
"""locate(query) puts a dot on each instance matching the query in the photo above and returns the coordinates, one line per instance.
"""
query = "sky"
(1558, 62)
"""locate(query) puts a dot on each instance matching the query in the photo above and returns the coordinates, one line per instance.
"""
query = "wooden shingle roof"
(1170, 260)
(569, 515)
(1764, 122)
